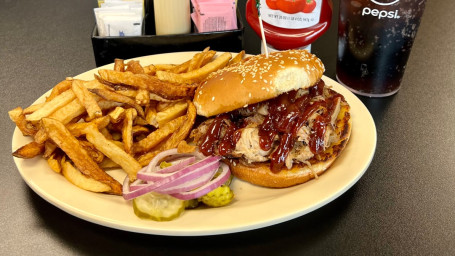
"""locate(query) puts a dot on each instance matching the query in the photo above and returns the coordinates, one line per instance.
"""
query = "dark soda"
(375, 38)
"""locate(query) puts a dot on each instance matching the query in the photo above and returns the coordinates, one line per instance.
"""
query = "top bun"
(257, 79)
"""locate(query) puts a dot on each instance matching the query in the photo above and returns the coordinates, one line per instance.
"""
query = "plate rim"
(87, 216)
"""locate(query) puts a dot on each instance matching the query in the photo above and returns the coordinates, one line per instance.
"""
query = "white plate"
(254, 207)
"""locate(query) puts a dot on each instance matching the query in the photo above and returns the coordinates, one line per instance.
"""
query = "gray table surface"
(403, 205)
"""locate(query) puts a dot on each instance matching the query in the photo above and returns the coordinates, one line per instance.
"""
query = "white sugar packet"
(123, 25)
(120, 18)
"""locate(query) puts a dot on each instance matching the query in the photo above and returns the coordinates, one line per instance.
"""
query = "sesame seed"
(213, 98)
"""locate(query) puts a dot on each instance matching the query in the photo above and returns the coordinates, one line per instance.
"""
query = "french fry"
(150, 114)
(181, 68)
(140, 121)
(127, 129)
(142, 97)
(40, 136)
(183, 130)
(164, 66)
(119, 65)
(108, 105)
(175, 138)
(95, 154)
(54, 163)
(117, 143)
(172, 77)
(145, 159)
(29, 150)
(139, 129)
(108, 135)
(116, 154)
(49, 149)
(117, 115)
(127, 92)
(95, 84)
(59, 88)
(113, 96)
(18, 117)
(86, 127)
(30, 109)
(184, 147)
(200, 59)
(163, 105)
(150, 70)
(197, 74)
(70, 145)
(134, 67)
(107, 163)
(238, 58)
(75, 176)
(157, 136)
(208, 56)
(74, 109)
(77, 129)
(150, 83)
(170, 113)
(87, 100)
(68, 112)
(51, 106)
(196, 61)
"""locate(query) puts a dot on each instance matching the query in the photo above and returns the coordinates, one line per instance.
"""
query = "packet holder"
(107, 49)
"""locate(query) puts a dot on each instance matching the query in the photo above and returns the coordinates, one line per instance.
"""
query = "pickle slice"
(158, 207)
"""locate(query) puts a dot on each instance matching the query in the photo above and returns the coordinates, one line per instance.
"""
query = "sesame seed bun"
(257, 79)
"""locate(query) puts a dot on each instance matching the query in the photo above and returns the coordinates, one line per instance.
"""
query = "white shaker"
(172, 17)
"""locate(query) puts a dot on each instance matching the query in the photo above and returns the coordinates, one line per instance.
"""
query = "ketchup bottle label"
(291, 14)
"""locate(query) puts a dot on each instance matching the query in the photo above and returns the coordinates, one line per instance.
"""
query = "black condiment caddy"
(106, 49)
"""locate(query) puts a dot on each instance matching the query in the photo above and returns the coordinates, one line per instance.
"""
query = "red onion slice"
(218, 181)
(168, 155)
(170, 181)
(157, 176)
(191, 182)
(150, 167)
(129, 194)
(185, 179)
(177, 165)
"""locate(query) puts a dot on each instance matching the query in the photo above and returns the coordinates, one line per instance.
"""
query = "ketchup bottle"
(290, 24)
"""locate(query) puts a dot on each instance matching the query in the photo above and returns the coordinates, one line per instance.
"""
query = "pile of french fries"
(120, 119)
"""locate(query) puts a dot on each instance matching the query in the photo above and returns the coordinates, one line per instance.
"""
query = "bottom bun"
(260, 173)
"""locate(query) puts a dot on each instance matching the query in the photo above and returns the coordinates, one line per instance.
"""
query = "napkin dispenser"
(106, 49)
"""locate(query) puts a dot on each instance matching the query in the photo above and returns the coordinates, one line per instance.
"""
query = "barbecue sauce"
(286, 115)
(207, 146)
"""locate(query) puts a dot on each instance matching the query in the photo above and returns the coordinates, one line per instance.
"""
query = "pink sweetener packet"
(214, 15)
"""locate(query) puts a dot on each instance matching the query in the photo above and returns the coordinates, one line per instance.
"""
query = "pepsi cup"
(375, 38)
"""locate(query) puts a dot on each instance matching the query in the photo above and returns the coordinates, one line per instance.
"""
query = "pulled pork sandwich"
(272, 119)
